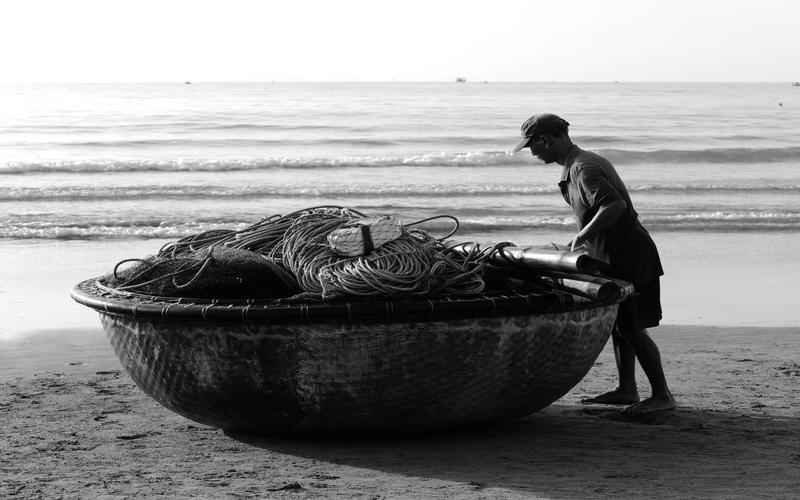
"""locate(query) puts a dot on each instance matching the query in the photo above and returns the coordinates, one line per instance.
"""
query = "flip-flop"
(644, 408)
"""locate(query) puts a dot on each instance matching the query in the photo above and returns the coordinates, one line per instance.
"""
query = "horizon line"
(454, 80)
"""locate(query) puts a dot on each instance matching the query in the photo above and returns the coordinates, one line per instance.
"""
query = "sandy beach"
(75, 426)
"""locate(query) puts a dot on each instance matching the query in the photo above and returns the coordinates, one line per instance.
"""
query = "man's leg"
(626, 392)
(650, 359)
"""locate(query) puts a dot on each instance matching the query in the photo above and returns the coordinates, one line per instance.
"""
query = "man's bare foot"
(650, 405)
(615, 397)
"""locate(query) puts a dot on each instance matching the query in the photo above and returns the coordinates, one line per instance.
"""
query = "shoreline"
(76, 425)
(726, 279)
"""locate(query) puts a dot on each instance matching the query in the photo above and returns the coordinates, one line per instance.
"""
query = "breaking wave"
(53, 226)
(205, 192)
(440, 159)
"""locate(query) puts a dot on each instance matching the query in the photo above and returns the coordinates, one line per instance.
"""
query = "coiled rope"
(416, 263)
(260, 237)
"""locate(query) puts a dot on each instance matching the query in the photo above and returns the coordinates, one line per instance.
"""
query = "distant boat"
(795, 84)
(187, 83)
(461, 79)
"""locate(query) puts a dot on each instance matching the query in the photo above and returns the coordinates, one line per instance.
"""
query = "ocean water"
(93, 174)
(167, 160)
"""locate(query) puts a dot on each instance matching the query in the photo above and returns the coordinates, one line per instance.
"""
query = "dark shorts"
(642, 310)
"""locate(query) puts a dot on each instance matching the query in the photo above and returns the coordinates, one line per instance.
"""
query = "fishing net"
(212, 272)
(299, 253)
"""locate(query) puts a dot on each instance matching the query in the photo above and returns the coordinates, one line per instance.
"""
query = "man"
(609, 229)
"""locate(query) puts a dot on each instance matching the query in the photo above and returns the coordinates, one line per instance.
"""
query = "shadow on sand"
(580, 452)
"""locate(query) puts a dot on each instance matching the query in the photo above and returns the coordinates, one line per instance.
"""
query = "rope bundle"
(415, 263)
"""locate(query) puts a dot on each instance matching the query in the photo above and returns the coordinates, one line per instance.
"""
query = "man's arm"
(605, 218)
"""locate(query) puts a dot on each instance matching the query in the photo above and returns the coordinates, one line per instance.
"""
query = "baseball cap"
(545, 123)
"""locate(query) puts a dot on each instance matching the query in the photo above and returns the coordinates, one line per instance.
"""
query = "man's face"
(540, 149)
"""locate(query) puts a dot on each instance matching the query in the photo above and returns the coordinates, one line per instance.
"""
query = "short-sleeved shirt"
(589, 181)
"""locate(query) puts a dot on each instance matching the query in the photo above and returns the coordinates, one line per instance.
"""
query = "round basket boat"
(404, 365)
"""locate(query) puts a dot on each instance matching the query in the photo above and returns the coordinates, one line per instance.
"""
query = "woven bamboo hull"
(404, 376)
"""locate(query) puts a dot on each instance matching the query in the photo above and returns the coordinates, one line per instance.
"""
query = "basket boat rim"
(95, 294)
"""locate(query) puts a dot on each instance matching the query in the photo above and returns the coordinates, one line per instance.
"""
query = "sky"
(407, 40)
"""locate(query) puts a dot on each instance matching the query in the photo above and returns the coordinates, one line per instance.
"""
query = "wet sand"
(75, 425)
(730, 279)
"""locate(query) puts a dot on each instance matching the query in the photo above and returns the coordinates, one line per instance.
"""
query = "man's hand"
(576, 243)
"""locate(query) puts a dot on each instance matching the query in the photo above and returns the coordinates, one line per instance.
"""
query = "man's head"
(547, 135)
